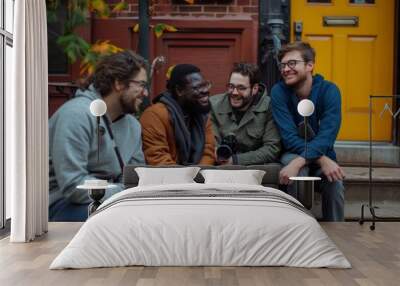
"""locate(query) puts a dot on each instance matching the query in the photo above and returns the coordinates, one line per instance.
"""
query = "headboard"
(270, 179)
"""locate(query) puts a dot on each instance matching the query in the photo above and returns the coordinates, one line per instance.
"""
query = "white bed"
(201, 224)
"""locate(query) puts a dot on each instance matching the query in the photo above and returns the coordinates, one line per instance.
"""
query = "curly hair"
(305, 49)
(121, 66)
(247, 69)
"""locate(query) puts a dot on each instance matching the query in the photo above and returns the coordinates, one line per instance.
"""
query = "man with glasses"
(298, 83)
(242, 120)
(121, 81)
(177, 127)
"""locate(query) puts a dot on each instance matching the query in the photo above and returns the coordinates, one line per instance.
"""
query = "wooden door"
(354, 42)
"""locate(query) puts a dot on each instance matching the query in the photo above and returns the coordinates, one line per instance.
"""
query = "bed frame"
(271, 179)
(305, 192)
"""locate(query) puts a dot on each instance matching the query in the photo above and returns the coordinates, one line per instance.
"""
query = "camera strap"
(116, 149)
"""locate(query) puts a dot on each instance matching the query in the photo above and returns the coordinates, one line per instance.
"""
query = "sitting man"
(177, 128)
(242, 119)
(120, 80)
(296, 66)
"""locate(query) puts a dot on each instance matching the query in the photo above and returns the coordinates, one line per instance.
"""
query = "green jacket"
(256, 134)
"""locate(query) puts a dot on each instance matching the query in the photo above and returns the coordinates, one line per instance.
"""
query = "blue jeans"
(332, 193)
(63, 210)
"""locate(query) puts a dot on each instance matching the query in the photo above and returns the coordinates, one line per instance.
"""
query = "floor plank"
(374, 255)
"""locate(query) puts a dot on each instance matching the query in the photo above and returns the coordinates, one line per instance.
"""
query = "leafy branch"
(158, 29)
(74, 46)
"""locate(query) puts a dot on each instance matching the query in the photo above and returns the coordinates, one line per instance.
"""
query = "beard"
(129, 103)
(193, 107)
(301, 78)
(203, 109)
(246, 101)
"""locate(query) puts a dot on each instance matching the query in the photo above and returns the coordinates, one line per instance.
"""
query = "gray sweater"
(73, 148)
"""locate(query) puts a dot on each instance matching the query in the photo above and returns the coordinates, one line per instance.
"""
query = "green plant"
(158, 29)
(74, 46)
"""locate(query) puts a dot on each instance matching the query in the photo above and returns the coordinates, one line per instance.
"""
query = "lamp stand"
(305, 137)
(98, 138)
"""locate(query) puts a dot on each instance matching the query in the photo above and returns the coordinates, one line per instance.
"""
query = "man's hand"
(291, 170)
(331, 169)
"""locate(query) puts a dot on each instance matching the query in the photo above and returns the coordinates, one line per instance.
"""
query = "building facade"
(356, 43)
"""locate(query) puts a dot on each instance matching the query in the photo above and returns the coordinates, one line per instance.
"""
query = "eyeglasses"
(291, 64)
(204, 86)
(240, 88)
(142, 84)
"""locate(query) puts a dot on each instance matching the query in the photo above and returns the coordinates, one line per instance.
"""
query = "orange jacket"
(159, 145)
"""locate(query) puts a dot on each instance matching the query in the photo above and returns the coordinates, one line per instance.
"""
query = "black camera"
(226, 148)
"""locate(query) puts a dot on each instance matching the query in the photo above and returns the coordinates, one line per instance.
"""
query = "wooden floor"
(374, 255)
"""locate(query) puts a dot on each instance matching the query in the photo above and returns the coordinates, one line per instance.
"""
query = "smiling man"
(296, 66)
(121, 81)
(242, 119)
(177, 127)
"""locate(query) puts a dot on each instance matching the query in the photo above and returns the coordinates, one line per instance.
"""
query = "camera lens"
(224, 152)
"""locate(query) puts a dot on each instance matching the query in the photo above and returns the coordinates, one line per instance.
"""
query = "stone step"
(378, 175)
(385, 189)
(357, 153)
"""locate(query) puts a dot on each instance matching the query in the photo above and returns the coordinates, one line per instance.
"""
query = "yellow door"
(353, 40)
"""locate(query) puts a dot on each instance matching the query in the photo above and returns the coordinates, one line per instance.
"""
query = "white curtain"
(27, 123)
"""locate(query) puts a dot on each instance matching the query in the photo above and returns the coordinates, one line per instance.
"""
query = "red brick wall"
(238, 19)
(233, 10)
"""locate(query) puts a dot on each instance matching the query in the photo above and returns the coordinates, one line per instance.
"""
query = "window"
(6, 60)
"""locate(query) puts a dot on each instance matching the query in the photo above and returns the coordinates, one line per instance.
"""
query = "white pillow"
(166, 176)
(248, 177)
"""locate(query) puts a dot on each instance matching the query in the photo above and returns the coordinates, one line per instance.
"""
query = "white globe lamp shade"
(305, 107)
(98, 107)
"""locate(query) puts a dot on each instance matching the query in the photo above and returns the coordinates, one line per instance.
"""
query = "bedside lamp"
(305, 108)
(96, 188)
(98, 108)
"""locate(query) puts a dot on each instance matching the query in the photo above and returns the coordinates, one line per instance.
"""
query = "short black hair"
(247, 69)
(178, 76)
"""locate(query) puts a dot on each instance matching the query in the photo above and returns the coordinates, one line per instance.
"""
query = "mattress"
(201, 225)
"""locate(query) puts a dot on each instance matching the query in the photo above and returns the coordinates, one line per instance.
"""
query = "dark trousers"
(63, 210)
(332, 193)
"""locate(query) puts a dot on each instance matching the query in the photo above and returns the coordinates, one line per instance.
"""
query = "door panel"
(324, 45)
(359, 58)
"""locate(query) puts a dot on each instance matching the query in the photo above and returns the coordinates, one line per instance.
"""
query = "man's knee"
(333, 201)
(333, 190)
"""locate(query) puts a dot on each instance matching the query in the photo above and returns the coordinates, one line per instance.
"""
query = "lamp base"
(96, 195)
(305, 190)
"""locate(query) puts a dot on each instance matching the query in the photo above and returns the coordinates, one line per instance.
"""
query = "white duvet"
(207, 230)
